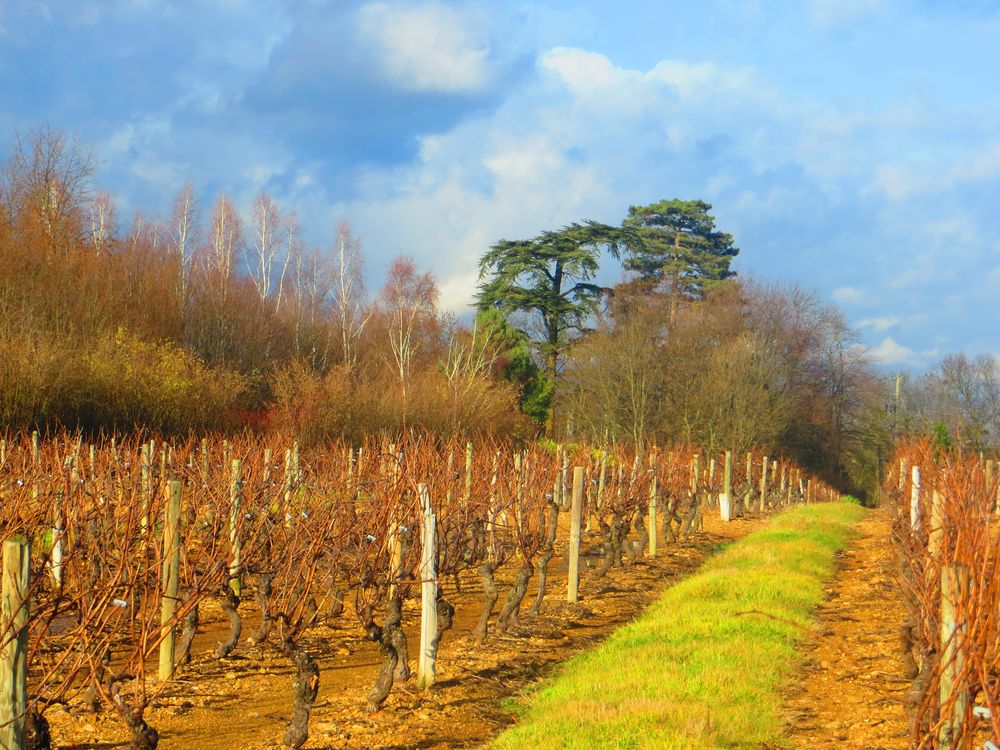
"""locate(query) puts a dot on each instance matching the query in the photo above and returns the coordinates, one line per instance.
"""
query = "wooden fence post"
(428, 592)
(146, 486)
(725, 508)
(235, 501)
(563, 481)
(651, 510)
(576, 508)
(467, 494)
(14, 604)
(763, 485)
(954, 585)
(170, 577)
(935, 535)
(915, 498)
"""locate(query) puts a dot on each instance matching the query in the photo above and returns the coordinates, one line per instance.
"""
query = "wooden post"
(576, 509)
(428, 592)
(763, 485)
(564, 481)
(34, 447)
(467, 496)
(204, 463)
(954, 585)
(602, 479)
(235, 545)
(14, 602)
(935, 535)
(146, 486)
(286, 510)
(267, 469)
(651, 513)
(519, 490)
(915, 499)
(725, 508)
(170, 578)
(58, 531)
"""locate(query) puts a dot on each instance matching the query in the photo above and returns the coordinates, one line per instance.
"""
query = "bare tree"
(226, 235)
(48, 178)
(348, 291)
(183, 238)
(408, 299)
(270, 236)
(617, 374)
(103, 225)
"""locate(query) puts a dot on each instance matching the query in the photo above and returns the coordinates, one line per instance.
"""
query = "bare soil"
(244, 701)
(849, 691)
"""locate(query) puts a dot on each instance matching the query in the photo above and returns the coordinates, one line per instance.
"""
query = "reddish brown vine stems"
(947, 536)
(292, 539)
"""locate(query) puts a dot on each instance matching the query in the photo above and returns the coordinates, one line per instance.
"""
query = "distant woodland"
(214, 317)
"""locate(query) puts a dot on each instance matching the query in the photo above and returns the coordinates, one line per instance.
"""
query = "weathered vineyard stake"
(576, 509)
(763, 485)
(14, 655)
(725, 511)
(146, 486)
(915, 499)
(235, 545)
(935, 534)
(954, 588)
(171, 577)
(651, 520)
(428, 592)
(58, 532)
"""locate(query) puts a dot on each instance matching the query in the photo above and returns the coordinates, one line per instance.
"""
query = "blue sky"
(850, 145)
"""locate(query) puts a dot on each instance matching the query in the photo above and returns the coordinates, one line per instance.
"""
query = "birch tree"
(182, 239)
(348, 291)
(267, 249)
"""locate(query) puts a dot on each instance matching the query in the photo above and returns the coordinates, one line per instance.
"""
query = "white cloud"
(899, 182)
(980, 168)
(430, 47)
(688, 78)
(582, 70)
(890, 352)
(880, 324)
(842, 14)
(849, 295)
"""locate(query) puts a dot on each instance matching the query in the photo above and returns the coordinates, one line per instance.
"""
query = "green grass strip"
(702, 668)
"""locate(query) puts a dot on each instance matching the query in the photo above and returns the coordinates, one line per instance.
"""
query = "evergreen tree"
(549, 276)
(676, 250)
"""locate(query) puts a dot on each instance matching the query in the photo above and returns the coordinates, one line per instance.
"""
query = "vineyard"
(947, 542)
(114, 550)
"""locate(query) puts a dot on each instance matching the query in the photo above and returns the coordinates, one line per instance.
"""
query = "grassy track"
(703, 666)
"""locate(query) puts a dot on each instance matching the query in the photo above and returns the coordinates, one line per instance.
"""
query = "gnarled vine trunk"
(305, 686)
(509, 612)
(552, 518)
(485, 571)
(386, 637)
(230, 603)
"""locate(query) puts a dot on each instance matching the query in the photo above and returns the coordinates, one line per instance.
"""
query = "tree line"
(225, 319)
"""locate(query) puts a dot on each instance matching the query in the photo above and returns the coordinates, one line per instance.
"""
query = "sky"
(851, 146)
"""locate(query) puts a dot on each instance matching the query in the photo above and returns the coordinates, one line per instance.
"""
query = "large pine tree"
(676, 250)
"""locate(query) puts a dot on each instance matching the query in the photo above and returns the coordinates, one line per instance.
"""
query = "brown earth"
(849, 692)
(244, 701)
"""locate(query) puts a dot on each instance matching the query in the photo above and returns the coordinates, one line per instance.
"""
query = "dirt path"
(243, 702)
(849, 692)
